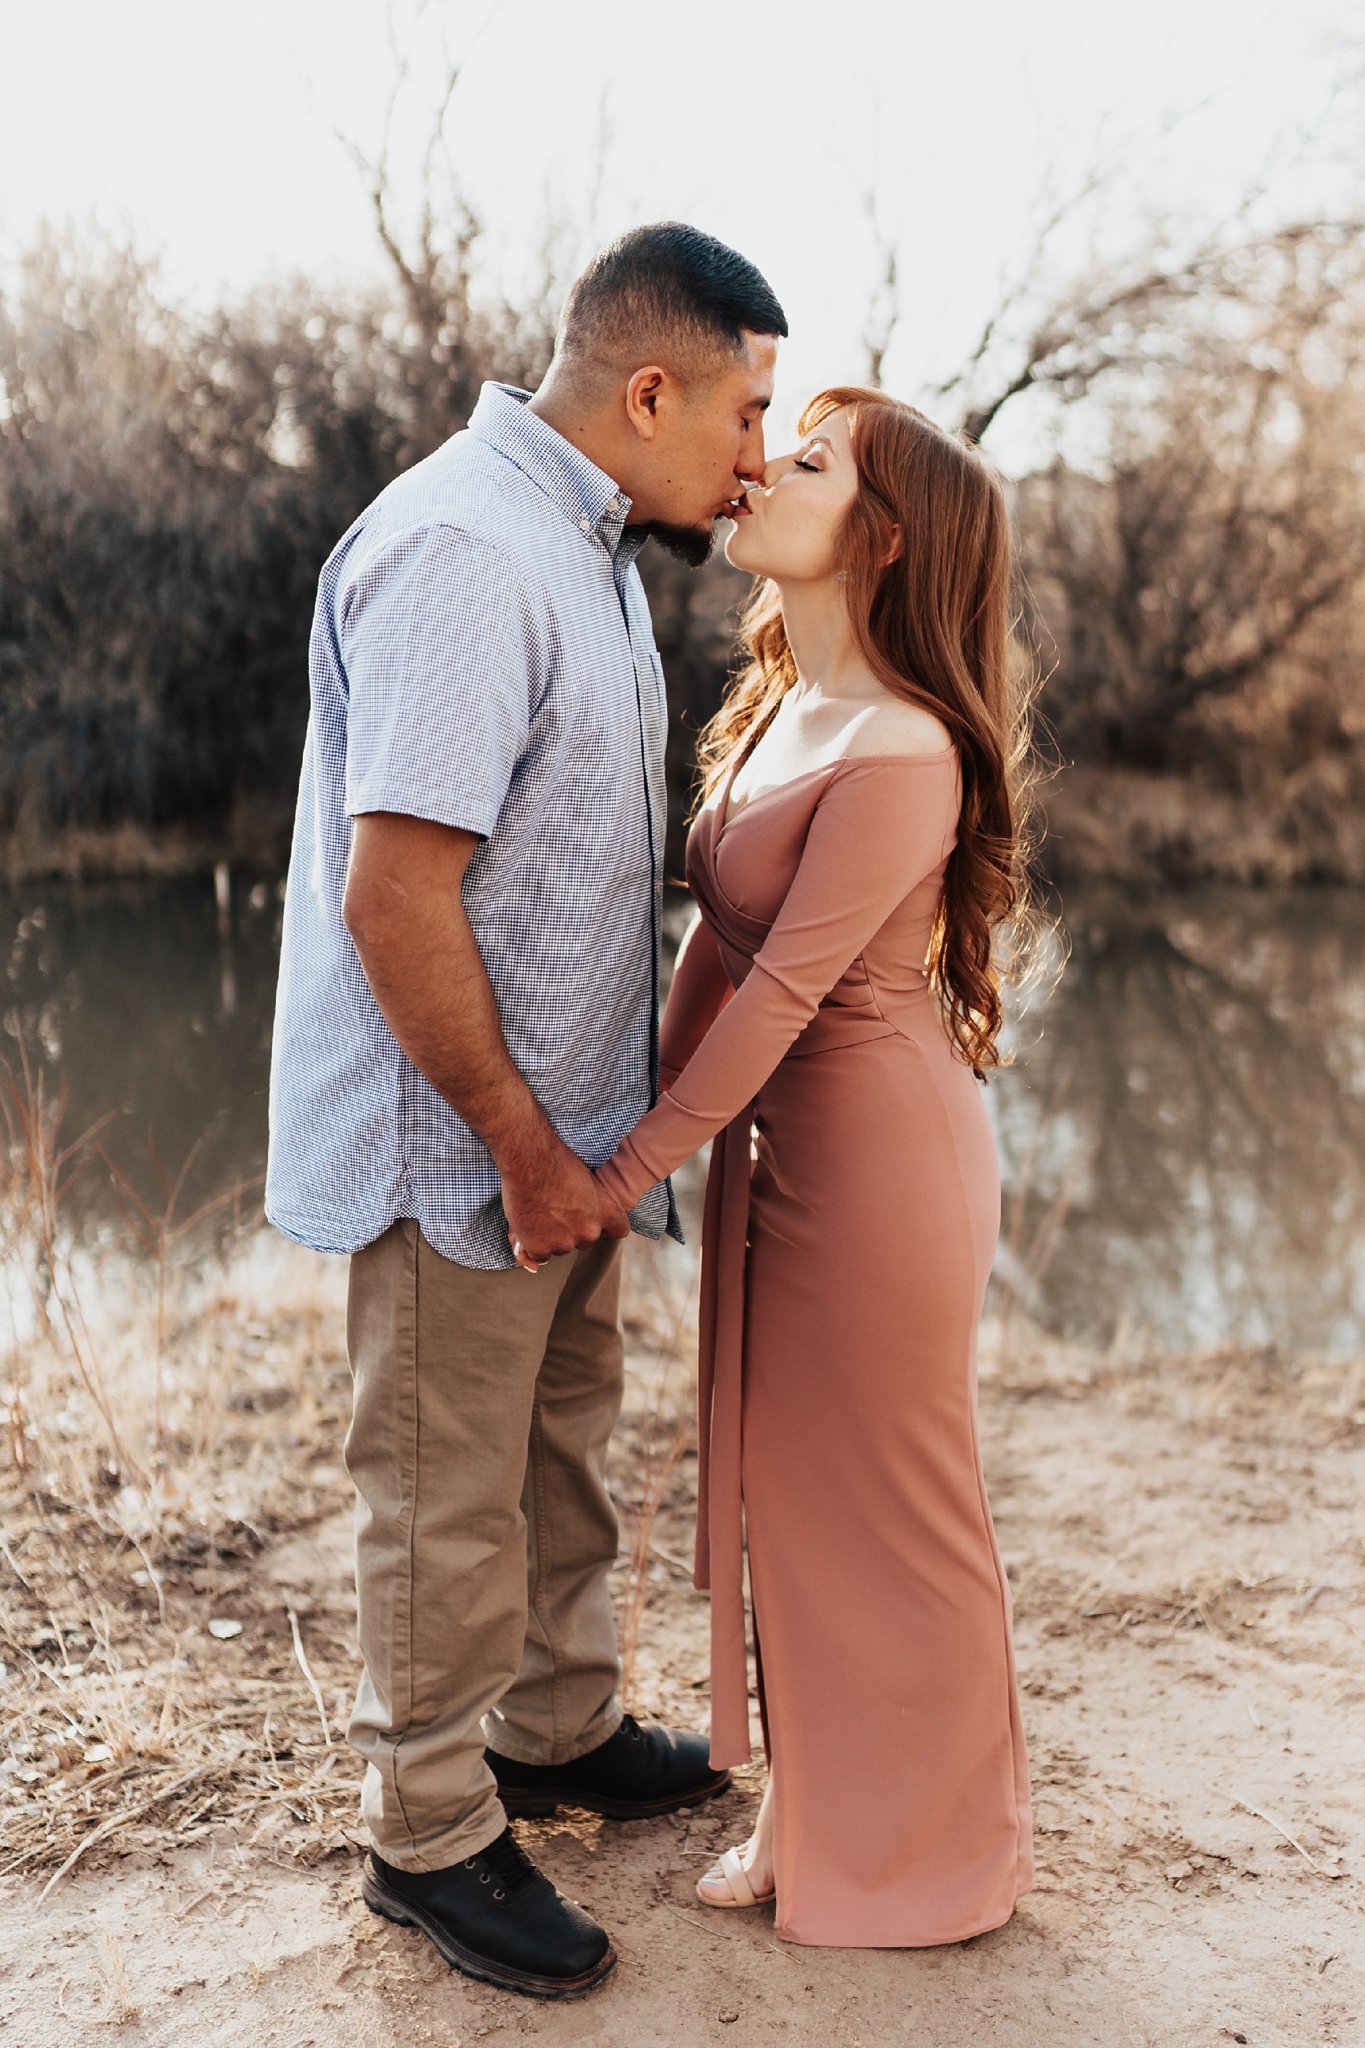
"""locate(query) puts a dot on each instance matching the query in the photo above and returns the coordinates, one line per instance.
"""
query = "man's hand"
(555, 1204)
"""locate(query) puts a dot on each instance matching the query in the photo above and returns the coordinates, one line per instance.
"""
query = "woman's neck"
(828, 660)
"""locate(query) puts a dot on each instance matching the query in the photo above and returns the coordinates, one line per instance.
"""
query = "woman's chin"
(739, 551)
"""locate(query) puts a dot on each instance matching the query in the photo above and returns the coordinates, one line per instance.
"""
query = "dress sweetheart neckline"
(724, 818)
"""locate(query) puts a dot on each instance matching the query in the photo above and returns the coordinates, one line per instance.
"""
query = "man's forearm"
(428, 977)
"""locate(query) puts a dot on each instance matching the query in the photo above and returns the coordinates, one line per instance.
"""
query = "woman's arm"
(699, 990)
(875, 833)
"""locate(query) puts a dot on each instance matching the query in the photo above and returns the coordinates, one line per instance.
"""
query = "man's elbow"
(360, 910)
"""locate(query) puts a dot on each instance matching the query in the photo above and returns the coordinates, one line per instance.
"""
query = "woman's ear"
(896, 549)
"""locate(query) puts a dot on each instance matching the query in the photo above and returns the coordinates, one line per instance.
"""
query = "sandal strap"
(740, 1888)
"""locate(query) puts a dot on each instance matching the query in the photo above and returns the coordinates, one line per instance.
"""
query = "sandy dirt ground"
(1186, 1542)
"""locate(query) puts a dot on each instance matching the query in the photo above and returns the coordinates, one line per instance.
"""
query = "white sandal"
(732, 1870)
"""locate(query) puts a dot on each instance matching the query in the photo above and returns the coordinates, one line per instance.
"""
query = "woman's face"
(793, 519)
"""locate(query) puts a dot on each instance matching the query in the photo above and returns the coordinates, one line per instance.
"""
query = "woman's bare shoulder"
(896, 727)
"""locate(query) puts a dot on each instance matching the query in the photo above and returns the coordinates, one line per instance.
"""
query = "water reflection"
(1182, 1137)
(1196, 1106)
(155, 1025)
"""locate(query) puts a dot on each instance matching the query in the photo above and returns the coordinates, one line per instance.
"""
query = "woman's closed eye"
(813, 467)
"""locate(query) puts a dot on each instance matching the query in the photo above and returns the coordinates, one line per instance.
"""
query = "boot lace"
(506, 1863)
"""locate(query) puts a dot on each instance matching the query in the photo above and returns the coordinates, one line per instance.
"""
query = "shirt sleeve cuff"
(437, 809)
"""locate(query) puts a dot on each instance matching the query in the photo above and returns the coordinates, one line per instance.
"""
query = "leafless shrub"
(1206, 587)
(169, 488)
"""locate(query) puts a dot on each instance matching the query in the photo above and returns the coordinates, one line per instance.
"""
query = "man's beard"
(694, 545)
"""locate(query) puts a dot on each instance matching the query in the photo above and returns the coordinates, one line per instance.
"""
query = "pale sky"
(209, 131)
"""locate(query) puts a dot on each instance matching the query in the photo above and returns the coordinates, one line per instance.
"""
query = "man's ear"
(642, 399)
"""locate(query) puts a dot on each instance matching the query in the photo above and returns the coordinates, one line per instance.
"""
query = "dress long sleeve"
(872, 838)
(699, 990)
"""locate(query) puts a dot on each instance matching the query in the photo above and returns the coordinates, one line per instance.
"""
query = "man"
(467, 1023)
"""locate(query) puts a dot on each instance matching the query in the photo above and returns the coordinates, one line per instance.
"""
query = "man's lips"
(737, 508)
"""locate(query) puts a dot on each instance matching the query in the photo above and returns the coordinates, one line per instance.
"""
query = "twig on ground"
(1279, 1828)
(8, 1556)
(676, 1564)
(306, 1669)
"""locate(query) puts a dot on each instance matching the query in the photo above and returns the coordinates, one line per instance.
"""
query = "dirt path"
(1187, 1544)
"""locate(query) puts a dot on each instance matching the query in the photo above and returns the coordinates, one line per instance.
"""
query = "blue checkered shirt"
(482, 656)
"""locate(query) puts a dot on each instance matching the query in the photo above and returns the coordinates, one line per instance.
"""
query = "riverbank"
(1102, 824)
(1159, 831)
(1186, 1542)
(130, 853)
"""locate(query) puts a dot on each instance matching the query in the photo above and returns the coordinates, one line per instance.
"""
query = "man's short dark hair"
(669, 293)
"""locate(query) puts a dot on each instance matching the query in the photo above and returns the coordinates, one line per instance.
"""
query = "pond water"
(1182, 1136)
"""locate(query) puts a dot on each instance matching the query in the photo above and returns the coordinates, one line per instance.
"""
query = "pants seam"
(554, 1642)
(405, 1663)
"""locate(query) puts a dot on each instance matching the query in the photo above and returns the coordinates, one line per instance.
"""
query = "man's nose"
(751, 467)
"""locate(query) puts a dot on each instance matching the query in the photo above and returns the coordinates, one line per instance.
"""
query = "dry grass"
(657, 1430)
(122, 1707)
(163, 1424)
(126, 1721)
(154, 1682)
(159, 1678)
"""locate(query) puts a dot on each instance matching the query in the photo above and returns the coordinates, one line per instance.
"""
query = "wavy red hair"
(934, 625)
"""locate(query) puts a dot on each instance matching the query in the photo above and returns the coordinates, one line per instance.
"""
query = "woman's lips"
(737, 508)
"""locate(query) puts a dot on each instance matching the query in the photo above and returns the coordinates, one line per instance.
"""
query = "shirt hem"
(327, 1237)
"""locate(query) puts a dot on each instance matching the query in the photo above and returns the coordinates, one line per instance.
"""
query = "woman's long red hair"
(934, 626)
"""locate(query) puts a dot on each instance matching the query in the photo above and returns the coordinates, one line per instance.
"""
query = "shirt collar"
(583, 492)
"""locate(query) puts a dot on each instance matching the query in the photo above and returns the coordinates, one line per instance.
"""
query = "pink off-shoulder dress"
(852, 1211)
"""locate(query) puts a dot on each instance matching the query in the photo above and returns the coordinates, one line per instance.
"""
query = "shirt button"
(585, 525)
(615, 505)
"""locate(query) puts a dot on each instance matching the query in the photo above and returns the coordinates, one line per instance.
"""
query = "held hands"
(556, 1205)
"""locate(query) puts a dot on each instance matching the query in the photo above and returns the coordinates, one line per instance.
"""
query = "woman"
(859, 820)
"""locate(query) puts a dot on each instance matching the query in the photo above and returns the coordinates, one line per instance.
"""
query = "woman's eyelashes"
(811, 466)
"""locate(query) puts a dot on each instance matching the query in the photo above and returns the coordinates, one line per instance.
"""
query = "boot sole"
(539, 1805)
(403, 1913)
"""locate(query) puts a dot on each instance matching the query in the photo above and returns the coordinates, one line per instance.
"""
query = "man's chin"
(694, 545)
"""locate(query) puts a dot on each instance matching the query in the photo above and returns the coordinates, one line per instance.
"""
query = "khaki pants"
(483, 1403)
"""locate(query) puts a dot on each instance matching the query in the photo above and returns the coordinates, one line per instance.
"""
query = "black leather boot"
(635, 1773)
(496, 1917)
